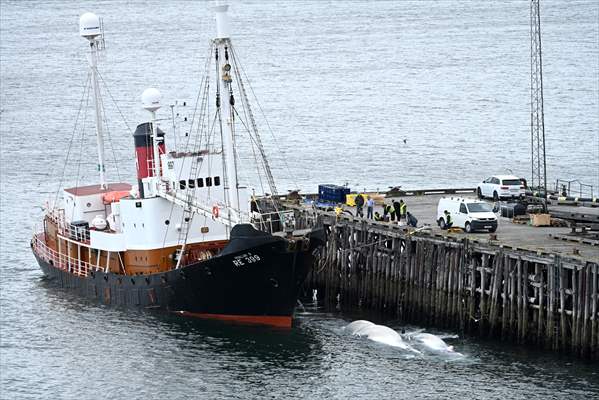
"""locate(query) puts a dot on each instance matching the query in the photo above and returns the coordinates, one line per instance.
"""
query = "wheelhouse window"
(208, 181)
(191, 183)
(217, 181)
(200, 182)
(182, 185)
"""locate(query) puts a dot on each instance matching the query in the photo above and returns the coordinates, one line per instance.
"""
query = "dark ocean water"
(342, 83)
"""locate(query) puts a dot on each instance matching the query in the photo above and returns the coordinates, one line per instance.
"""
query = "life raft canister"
(215, 211)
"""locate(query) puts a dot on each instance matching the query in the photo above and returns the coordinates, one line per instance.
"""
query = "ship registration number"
(244, 259)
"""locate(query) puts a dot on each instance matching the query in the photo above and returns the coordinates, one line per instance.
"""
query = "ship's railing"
(78, 233)
(277, 221)
(61, 261)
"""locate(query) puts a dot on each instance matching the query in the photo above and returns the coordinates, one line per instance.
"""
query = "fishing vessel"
(188, 236)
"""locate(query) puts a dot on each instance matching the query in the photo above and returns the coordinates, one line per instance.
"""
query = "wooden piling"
(470, 286)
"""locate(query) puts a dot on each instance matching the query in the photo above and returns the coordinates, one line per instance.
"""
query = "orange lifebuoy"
(215, 211)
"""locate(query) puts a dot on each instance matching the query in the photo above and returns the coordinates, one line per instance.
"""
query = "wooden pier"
(468, 283)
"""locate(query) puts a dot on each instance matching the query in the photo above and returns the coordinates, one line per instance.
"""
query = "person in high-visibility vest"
(403, 209)
(388, 209)
(448, 221)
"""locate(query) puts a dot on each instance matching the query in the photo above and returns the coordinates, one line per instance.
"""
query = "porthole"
(166, 222)
(89, 205)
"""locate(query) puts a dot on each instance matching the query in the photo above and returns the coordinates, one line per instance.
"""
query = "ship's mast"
(91, 29)
(224, 103)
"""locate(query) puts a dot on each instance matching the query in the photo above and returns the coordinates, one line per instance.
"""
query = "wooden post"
(450, 283)
(524, 309)
(461, 266)
(473, 286)
(575, 294)
(541, 321)
(562, 302)
(495, 286)
(587, 306)
(519, 297)
(550, 334)
(483, 289)
(505, 305)
(395, 251)
(595, 300)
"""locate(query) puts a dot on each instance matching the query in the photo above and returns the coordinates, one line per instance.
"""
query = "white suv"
(501, 187)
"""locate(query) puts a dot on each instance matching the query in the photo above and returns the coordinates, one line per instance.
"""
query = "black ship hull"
(252, 281)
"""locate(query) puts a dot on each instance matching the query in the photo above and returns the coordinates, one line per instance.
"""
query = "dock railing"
(574, 188)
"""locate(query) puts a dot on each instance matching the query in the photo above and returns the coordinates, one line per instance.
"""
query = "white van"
(468, 214)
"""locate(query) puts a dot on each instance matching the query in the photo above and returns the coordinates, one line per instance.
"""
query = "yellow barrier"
(350, 199)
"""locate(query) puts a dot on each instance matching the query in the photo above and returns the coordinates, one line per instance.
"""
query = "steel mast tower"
(537, 117)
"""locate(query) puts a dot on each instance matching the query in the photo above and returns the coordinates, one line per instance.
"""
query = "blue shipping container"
(332, 193)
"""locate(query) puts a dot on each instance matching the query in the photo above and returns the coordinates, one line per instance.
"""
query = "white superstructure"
(187, 197)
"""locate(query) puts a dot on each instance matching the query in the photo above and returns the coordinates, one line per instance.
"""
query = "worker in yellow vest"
(403, 210)
(388, 209)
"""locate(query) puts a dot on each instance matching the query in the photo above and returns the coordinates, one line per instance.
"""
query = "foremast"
(91, 29)
(233, 208)
(225, 101)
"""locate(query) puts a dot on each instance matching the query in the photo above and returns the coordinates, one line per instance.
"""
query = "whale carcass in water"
(432, 343)
(358, 326)
(378, 333)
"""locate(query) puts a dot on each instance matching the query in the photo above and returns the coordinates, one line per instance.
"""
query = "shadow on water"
(287, 347)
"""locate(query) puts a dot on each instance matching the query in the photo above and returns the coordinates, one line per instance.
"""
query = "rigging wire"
(105, 120)
(114, 101)
(291, 175)
(204, 88)
(245, 100)
(253, 149)
(85, 95)
(80, 150)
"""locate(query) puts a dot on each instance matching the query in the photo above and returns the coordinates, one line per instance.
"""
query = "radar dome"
(150, 99)
(89, 25)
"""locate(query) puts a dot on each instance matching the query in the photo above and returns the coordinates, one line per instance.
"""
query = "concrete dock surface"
(424, 208)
